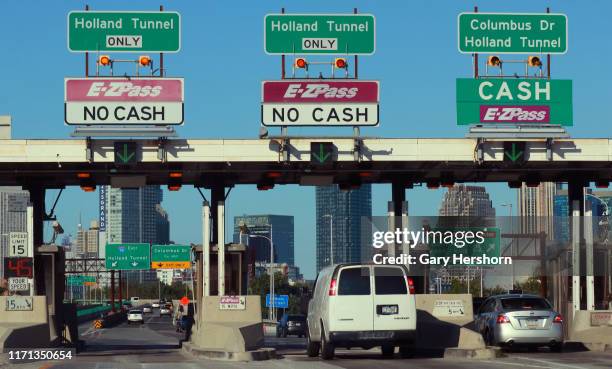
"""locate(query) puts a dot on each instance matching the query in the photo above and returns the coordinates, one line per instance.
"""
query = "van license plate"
(388, 309)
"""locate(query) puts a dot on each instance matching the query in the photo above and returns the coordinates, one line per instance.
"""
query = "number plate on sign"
(19, 303)
(387, 309)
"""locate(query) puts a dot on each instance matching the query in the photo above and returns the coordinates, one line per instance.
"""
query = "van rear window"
(389, 281)
(354, 281)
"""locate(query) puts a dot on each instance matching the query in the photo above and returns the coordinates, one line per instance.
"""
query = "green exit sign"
(506, 33)
(320, 34)
(104, 31)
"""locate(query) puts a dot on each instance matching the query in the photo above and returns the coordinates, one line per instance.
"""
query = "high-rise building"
(466, 201)
(279, 228)
(134, 216)
(600, 202)
(536, 208)
(88, 241)
(339, 223)
(13, 207)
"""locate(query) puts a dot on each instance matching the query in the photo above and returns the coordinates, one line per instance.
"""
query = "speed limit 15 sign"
(18, 244)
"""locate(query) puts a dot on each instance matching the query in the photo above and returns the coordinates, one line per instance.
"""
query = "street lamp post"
(509, 205)
(331, 237)
(272, 314)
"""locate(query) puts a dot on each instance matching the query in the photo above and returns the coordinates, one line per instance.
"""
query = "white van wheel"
(327, 348)
(312, 348)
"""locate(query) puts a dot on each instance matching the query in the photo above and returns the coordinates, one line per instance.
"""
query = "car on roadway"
(135, 316)
(520, 320)
(147, 310)
(155, 305)
(291, 324)
(165, 310)
(361, 305)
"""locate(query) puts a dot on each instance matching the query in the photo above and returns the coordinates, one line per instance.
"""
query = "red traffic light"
(340, 63)
(300, 63)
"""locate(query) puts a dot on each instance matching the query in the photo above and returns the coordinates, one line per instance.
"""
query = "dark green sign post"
(512, 33)
(106, 31)
(128, 256)
(514, 101)
(319, 34)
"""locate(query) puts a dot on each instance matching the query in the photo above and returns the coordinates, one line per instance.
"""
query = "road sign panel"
(128, 256)
(506, 33)
(110, 101)
(320, 103)
(18, 244)
(322, 153)
(19, 303)
(482, 241)
(171, 265)
(496, 101)
(18, 267)
(319, 34)
(280, 301)
(97, 31)
(79, 280)
(515, 151)
(18, 284)
(126, 152)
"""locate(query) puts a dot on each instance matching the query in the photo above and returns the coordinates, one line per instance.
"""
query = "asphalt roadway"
(155, 345)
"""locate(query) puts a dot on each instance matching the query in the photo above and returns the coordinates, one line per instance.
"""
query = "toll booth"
(236, 269)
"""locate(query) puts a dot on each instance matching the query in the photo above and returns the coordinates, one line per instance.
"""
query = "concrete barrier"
(592, 328)
(25, 329)
(446, 322)
(229, 334)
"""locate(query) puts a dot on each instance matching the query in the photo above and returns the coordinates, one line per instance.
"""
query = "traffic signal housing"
(105, 60)
(534, 61)
(144, 60)
(340, 63)
(300, 63)
(494, 61)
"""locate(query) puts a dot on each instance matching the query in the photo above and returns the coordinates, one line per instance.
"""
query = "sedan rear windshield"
(525, 303)
(299, 318)
(135, 312)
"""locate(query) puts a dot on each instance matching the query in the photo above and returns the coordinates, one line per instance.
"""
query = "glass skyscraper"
(342, 212)
(282, 235)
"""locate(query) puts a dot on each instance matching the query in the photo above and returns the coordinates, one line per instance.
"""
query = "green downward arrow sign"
(321, 156)
(125, 157)
(514, 155)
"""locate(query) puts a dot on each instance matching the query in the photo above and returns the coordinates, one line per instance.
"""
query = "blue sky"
(223, 63)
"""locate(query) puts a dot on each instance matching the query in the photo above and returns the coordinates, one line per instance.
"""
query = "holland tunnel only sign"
(151, 101)
(319, 103)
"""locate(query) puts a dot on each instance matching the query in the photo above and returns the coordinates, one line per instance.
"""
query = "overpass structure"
(207, 163)
(38, 165)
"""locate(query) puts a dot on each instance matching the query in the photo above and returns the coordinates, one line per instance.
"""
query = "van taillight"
(332, 287)
(410, 285)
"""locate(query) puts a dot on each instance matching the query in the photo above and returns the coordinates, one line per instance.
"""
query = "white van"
(361, 305)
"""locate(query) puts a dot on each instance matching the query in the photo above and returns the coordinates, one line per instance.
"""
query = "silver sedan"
(520, 319)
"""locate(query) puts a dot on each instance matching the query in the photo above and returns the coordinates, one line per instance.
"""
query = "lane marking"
(516, 364)
(553, 363)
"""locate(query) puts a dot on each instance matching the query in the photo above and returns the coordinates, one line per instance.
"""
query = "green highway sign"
(321, 153)
(320, 34)
(506, 33)
(514, 101)
(128, 256)
(170, 256)
(514, 152)
(468, 241)
(125, 152)
(79, 280)
(118, 31)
